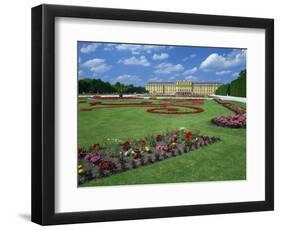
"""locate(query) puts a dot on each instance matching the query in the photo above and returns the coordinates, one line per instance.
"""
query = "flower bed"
(160, 108)
(166, 110)
(231, 121)
(116, 98)
(234, 108)
(117, 156)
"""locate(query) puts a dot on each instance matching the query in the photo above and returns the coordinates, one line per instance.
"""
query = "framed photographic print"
(142, 114)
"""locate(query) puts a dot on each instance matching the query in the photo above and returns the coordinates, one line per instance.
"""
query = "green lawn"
(225, 160)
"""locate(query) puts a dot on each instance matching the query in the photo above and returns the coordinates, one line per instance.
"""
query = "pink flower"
(87, 157)
(95, 159)
(174, 138)
(160, 148)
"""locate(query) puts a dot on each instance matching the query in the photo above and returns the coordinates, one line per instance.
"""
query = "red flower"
(126, 146)
(80, 150)
(159, 138)
(107, 165)
(142, 142)
(169, 148)
(137, 154)
(188, 135)
(90, 149)
(94, 147)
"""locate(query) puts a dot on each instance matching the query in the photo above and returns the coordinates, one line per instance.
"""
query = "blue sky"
(138, 64)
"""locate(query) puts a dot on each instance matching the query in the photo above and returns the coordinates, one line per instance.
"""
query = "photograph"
(160, 113)
(140, 114)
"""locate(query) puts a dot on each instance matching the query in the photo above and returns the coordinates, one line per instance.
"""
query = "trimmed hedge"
(223, 90)
(236, 88)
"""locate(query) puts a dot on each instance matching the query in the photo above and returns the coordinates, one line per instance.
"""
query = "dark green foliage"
(236, 88)
(101, 87)
(223, 90)
(94, 86)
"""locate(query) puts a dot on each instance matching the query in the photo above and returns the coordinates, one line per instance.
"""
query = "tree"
(239, 85)
(101, 87)
(236, 88)
(223, 90)
(120, 88)
(84, 86)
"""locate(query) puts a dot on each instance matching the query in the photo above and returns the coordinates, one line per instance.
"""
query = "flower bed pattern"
(234, 108)
(164, 107)
(116, 98)
(231, 121)
(117, 156)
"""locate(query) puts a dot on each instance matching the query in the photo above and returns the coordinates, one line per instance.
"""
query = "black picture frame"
(43, 114)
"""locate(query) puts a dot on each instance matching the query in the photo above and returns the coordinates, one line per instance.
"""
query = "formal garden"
(137, 140)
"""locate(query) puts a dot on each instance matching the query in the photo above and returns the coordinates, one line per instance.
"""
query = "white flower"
(181, 128)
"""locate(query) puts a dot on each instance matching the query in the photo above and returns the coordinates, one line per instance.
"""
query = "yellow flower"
(146, 149)
(80, 171)
(80, 166)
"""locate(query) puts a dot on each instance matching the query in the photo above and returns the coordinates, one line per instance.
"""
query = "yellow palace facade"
(182, 88)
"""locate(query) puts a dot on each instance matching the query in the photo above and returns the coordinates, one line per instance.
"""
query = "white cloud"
(167, 68)
(189, 57)
(128, 79)
(138, 48)
(191, 78)
(97, 65)
(135, 61)
(223, 72)
(89, 48)
(135, 52)
(155, 79)
(190, 71)
(161, 56)
(217, 62)
(109, 47)
(236, 74)
(80, 73)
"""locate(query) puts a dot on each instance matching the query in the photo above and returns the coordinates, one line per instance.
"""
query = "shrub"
(236, 88)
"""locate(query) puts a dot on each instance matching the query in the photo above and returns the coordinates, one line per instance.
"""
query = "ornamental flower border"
(116, 157)
(231, 121)
(237, 120)
(160, 108)
(234, 108)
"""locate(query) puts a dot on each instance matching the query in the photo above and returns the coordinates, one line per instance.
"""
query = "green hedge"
(223, 90)
(98, 86)
(236, 88)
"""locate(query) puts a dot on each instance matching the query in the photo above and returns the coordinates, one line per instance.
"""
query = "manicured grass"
(225, 160)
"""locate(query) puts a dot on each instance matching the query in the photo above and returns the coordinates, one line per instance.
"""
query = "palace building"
(182, 88)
